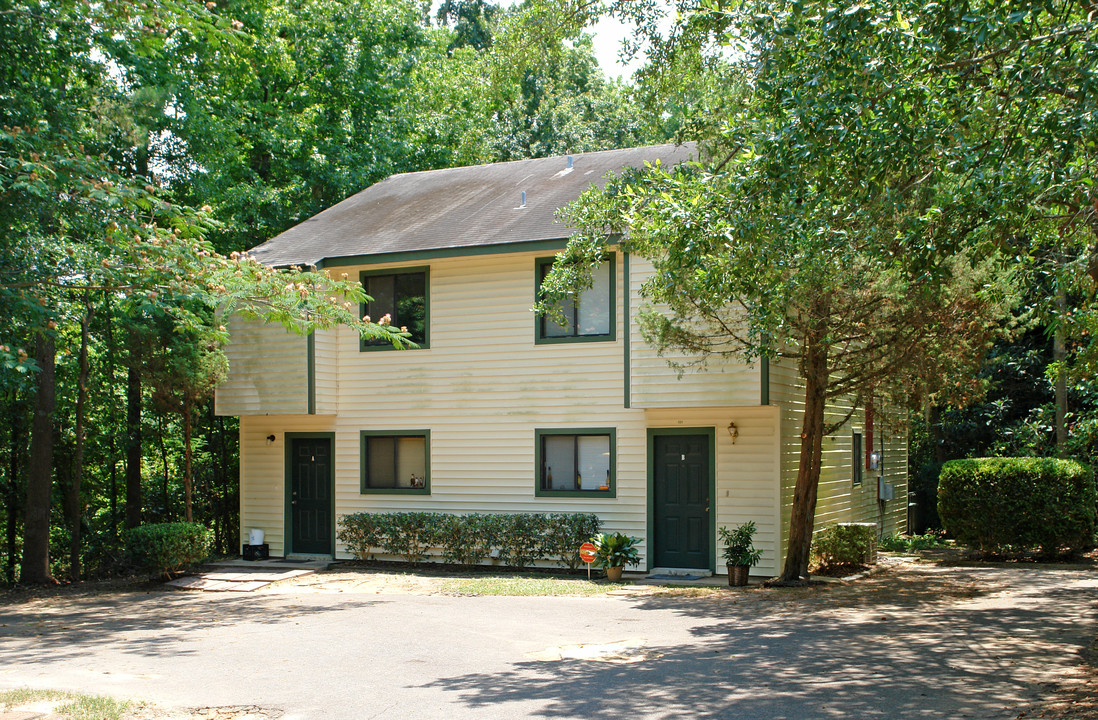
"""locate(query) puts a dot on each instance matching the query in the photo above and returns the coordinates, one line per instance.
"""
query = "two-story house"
(499, 410)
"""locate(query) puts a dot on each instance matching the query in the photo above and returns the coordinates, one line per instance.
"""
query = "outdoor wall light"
(270, 439)
(733, 432)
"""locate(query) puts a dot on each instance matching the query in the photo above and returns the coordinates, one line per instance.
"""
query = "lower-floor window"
(396, 462)
(576, 462)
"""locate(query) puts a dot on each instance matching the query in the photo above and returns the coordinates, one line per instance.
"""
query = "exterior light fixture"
(270, 439)
(733, 432)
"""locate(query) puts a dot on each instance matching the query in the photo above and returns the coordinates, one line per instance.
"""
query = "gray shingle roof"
(464, 207)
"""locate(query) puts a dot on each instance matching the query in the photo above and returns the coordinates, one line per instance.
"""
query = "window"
(592, 318)
(856, 459)
(395, 462)
(402, 295)
(576, 462)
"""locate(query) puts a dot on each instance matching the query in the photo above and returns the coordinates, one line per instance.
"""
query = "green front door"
(681, 536)
(311, 495)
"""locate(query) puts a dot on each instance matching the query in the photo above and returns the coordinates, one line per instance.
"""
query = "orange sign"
(587, 552)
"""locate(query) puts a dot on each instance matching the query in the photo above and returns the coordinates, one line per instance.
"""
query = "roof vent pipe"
(523, 199)
(569, 162)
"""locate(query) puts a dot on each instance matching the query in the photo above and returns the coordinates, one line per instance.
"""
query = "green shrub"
(565, 533)
(466, 539)
(521, 538)
(910, 543)
(991, 504)
(361, 533)
(167, 548)
(844, 545)
(409, 534)
(893, 543)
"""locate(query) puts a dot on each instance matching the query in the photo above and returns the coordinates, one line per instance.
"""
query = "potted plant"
(615, 552)
(740, 554)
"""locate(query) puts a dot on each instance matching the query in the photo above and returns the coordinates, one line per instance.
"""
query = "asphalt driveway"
(918, 642)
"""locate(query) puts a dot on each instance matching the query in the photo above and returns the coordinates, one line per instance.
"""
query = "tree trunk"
(803, 514)
(133, 444)
(12, 494)
(936, 434)
(72, 495)
(164, 475)
(187, 482)
(36, 524)
(112, 448)
(1059, 356)
(226, 527)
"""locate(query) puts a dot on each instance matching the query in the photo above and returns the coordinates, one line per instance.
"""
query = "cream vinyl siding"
(267, 373)
(263, 469)
(326, 371)
(654, 383)
(483, 388)
(747, 479)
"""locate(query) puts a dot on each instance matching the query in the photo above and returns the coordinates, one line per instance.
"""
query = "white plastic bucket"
(255, 537)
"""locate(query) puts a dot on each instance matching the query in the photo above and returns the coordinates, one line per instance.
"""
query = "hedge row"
(519, 538)
(996, 504)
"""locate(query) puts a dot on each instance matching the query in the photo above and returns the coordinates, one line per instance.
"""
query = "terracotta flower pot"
(737, 575)
(613, 574)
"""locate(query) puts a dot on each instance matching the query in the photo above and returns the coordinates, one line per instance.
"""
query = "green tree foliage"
(143, 146)
(80, 222)
(304, 111)
(851, 206)
(566, 105)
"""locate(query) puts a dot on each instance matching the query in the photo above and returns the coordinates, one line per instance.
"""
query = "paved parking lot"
(917, 642)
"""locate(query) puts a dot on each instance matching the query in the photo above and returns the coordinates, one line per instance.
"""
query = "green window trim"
(539, 452)
(365, 346)
(856, 463)
(539, 321)
(363, 440)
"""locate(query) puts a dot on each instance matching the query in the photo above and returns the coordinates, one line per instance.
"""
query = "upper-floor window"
(403, 296)
(589, 318)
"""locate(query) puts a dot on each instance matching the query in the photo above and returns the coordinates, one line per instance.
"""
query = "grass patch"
(526, 585)
(75, 706)
(686, 591)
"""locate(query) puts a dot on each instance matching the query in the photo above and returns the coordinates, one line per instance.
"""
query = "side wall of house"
(325, 365)
(267, 370)
(839, 500)
(654, 383)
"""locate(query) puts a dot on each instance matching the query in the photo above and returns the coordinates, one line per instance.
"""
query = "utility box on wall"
(885, 490)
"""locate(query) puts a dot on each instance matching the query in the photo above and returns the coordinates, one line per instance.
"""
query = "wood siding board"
(654, 383)
(267, 370)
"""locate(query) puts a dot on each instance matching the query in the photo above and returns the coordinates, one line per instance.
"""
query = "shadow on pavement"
(149, 623)
(926, 645)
